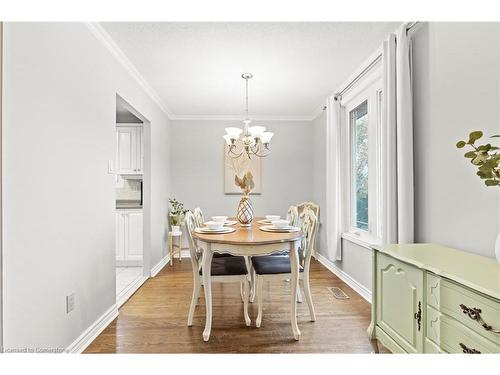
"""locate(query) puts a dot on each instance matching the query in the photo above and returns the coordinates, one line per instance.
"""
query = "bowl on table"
(272, 218)
(280, 223)
(214, 225)
(221, 219)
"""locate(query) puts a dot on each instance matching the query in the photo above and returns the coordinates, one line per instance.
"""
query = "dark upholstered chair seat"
(272, 264)
(228, 266)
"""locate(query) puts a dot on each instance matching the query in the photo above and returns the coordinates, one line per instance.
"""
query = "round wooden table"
(249, 241)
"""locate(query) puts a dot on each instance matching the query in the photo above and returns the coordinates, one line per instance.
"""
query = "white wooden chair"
(292, 216)
(278, 267)
(311, 205)
(224, 269)
(198, 217)
(315, 208)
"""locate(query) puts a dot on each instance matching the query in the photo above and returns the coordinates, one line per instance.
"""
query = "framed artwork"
(239, 166)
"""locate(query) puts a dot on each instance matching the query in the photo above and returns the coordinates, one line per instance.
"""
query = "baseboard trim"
(159, 266)
(354, 284)
(130, 290)
(90, 334)
(184, 253)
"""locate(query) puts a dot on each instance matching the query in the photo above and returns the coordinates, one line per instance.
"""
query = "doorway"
(131, 167)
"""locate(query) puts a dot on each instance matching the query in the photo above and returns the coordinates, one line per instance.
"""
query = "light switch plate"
(70, 302)
(111, 167)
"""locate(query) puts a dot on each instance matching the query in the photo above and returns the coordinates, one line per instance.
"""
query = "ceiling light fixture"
(255, 139)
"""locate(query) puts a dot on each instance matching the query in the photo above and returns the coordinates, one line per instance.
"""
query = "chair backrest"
(309, 226)
(194, 251)
(292, 216)
(311, 205)
(198, 217)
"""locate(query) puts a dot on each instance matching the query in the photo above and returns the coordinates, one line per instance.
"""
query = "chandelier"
(254, 139)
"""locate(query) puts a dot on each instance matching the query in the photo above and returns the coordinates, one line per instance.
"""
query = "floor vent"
(338, 293)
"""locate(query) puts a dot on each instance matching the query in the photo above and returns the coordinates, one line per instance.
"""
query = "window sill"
(362, 240)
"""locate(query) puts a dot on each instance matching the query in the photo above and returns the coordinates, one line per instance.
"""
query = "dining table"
(249, 241)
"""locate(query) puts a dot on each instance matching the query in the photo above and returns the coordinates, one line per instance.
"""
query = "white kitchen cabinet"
(129, 149)
(129, 237)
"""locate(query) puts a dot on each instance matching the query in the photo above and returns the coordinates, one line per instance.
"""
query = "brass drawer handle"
(418, 315)
(475, 314)
(467, 350)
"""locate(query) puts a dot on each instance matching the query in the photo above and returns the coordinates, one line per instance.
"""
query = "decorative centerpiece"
(245, 209)
(177, 212)
(487, 160)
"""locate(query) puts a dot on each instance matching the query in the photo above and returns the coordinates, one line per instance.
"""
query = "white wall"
(60, 86)
(456, 91)
(197, 168)
(456, 83)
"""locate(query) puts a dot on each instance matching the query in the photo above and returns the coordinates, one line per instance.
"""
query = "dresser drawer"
(462, 304)
(456, 338)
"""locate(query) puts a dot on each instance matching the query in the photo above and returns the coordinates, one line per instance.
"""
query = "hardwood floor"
(154, 319)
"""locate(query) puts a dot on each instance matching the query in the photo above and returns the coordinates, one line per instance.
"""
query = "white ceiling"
(195, 68)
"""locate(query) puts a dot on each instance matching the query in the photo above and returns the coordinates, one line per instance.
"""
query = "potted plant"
(177, 212)
(487, 160)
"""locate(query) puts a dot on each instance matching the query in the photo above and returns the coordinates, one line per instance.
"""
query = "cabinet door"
(120, 236)
(140, 149)
(399, 294)
(126, 157)
(135, 235)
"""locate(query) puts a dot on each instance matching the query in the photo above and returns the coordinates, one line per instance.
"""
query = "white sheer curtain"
(397, 142)
(333, 179)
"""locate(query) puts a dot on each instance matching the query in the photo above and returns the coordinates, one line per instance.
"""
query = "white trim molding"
(90, 334)
(130, 290)
(354, 284)
(107, 41)
(159, 266)
(239, 118)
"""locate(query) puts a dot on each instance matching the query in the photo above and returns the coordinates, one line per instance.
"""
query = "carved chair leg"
(194, 301)
(260, 282)
(246, 294)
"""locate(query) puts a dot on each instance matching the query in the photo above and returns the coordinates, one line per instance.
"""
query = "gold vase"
(245, 211)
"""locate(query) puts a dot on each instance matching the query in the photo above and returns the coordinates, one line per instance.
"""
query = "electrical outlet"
(111, 167)
(70, 302)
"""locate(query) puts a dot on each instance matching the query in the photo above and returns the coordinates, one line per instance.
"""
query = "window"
(359, 166)
(361, 180)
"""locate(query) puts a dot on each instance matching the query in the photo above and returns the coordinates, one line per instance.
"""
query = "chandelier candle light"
(255, 139)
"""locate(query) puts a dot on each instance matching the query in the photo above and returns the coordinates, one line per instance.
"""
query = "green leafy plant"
(485, 157)
(177, 211)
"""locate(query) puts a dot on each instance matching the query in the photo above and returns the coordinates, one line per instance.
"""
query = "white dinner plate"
(230, 222)
(270, 228)
(265, 221)
(223, 230)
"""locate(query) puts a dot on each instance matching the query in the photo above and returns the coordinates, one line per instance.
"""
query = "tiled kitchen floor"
(126, 276)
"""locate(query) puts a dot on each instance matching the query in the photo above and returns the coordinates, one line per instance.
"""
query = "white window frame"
(367, 88)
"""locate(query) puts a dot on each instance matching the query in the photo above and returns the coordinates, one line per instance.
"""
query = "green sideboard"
(433, 299)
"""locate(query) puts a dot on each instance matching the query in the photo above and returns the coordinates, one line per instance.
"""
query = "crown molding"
(238, 118)
(102, 35)
(107, 41)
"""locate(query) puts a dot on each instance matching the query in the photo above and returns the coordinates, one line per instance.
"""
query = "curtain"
(333, 179)
(397, 142)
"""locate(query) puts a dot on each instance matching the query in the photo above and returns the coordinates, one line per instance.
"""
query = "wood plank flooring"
(154, 319)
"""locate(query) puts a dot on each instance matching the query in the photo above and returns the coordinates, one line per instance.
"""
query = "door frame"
(146, 184)
(1, 188)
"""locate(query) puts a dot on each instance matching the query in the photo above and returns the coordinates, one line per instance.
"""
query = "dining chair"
(315, 208)
(292, 216)
(311, 205)
(198, 217)
(223, 270)
(270, 268)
